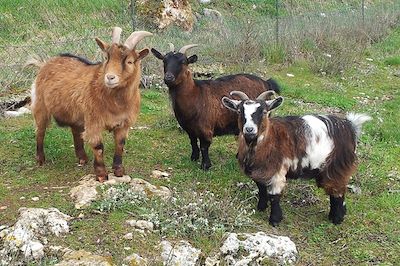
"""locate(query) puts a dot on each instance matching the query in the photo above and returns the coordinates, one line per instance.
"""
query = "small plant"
(198, 213)
(121, 196)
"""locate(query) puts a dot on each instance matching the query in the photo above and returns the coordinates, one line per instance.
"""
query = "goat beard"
(250, 138)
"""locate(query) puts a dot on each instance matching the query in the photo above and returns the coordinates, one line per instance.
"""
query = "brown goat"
(90, 98)
(197, 103)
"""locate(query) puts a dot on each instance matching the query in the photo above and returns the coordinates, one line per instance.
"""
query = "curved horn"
(240, 94)
(171, 47)
(187, 47)
(135, 38)
(116, 34)
(266, 95)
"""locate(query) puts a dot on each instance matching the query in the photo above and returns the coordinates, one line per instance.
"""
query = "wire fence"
(47, 28)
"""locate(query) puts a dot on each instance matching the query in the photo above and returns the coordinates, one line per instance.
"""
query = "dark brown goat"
(90, 98)
(273, 149)
(197, 103)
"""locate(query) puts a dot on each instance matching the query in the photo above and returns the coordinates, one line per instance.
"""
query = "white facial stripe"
(319, 144)
(249, 109)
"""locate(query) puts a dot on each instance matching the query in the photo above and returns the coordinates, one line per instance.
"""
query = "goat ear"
(143, 53)
(275, 103)
(157, 54)
(192, 59)
(232, 105)
(103, 45)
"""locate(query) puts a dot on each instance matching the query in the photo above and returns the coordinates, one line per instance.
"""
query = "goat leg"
(337, 210)
(195, 148)
(99, 167)
(276, 212)
(120, 135)
(79, 145)
(205, 159)
(262, 197)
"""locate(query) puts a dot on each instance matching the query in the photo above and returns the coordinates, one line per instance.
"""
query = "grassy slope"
(369, 235)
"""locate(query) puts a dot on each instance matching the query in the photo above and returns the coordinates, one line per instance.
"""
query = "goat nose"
(110, 77)
(249, 130)
(169, 77)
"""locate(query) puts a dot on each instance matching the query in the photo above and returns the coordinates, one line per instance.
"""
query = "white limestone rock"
(28, 235)
(135, 259)
(179, 254)
(84, 258)
(256, 248)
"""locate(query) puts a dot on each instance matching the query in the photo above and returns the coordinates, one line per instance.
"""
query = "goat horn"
(240, 94)
(171, 47)
(266, 95)
(187, 47)
(135, 38)
(116, 34)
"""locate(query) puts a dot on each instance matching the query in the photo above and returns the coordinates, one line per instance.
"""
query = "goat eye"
(130, 62)
(265, 112)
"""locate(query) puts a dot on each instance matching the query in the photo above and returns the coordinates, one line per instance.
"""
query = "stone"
(28, 235)
(181, 253)
(168, 12)
(128, 236)
(213, 14)
(86, 191)
(257, 247)
(145, 225)
(149, 190)
(135, 260)
(84, 258)
(160, 174)
(35, 199)
(212, 261)
(19, 112)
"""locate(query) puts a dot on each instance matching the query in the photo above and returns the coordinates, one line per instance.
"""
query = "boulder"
(212, 14)
(245, 249)
(179, 254)
(167, 12)
(28, 235)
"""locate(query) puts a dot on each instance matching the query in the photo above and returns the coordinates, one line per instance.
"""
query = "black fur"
(81, 59)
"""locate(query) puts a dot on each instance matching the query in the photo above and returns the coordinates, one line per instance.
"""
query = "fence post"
(277, 22)
(363, 12)
(133, 10)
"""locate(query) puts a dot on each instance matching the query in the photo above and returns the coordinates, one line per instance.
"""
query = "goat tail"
(357, 120)
(271, 84)
(35, 61)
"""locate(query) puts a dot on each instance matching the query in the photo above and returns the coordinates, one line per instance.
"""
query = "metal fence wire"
(47, 28)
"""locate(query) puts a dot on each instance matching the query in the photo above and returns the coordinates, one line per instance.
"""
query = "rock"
(19, 112)
(213, 14)
(145, 225)
(2, 208)
(205, 1)
(212, 261)
(160, 175)
(84, 258)
(167, 12)
(256, 248)
(86, 191)
(181, 253)
(128, 236)
(149, 190)
(290, 75)
(35, 199)
(354, 189)
(28, 233)
(135, 259)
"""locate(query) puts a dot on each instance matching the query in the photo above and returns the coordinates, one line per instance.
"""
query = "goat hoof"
(262, 206)
(205, 167)
(101, 179)
(82, 162)
(275, 220)
(40, 160)
(194, 157)
(119, 171)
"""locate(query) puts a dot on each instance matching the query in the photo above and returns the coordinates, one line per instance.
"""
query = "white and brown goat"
(272, 149)
(91, 97)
